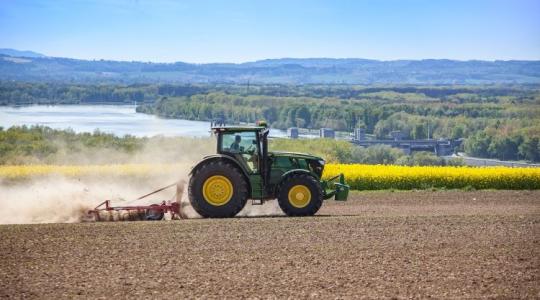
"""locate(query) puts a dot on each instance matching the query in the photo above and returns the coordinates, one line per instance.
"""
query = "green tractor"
(243, 169)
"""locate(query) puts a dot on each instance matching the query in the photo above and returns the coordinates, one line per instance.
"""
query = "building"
(360, 134)
(440, 147)
(328, 133)
(292, 132)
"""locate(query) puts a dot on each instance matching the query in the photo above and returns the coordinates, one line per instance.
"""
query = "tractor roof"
(237, 128)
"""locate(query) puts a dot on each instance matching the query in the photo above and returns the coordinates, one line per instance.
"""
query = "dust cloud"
(268, 209)
(153, 150)
(57, 199)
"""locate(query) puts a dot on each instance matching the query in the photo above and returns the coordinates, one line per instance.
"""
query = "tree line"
(498, 121)
(44, 145)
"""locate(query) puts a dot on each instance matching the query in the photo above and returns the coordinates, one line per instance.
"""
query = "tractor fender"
(292, 172)
(218, 157)
(296, 171)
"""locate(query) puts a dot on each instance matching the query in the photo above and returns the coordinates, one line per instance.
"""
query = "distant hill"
(19, 53)
(282, 71)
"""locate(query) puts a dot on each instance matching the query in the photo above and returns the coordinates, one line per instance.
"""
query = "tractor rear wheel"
(218, 189)
(300, 195)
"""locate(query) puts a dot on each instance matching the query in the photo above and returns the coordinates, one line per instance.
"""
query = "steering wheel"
(250, 149)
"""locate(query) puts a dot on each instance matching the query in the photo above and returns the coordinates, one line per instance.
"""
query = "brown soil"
(379, 244)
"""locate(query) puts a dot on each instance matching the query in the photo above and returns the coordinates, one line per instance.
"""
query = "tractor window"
(302, 164)
(243, 144)
(283, 162)
(290, 163)
(239, 142)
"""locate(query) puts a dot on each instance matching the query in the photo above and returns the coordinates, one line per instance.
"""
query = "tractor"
(243, 168)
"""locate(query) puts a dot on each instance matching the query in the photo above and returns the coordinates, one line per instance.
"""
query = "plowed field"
(379, 244)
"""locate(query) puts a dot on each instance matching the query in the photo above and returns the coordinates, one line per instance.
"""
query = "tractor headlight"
(322, 162)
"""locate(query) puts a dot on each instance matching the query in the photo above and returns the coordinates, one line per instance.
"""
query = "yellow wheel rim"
(217, 190)
(299, 196)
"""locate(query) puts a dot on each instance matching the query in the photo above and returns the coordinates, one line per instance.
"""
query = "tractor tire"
(218, 190)
(300, 195)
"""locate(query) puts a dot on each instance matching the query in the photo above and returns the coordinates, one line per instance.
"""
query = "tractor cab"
(247, 145)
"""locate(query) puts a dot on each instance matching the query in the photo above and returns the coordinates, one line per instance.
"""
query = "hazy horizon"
(274, 58)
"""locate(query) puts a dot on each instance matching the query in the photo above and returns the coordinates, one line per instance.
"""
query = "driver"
(236, 144)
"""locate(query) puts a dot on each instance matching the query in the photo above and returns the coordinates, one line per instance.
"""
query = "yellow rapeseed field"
(359, 177)
(376, 177)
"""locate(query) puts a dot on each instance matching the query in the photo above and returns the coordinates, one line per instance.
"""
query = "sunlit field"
(377, 177)
(359, 177)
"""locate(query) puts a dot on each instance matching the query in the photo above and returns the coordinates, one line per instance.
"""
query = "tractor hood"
(295, 154)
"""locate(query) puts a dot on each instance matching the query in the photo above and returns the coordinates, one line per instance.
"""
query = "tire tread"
(241, 186)
(283, 200)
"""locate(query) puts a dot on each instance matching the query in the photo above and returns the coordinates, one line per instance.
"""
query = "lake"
(116, 119)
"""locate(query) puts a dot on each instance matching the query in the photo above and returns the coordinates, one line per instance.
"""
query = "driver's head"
(237, 139)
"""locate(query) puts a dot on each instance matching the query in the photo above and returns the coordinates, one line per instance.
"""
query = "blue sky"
(237, 31)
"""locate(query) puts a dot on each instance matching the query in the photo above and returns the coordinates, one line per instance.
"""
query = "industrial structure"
(327, 133)
(440, 147)
(292, 133)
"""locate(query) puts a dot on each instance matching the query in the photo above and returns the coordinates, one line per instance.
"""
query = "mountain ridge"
(279, 71)
(20, 53)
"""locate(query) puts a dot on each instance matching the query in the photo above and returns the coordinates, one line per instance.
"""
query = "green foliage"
(504, 144)
(496, 121)
(331, 150)
(530, 149)
(335, 151)
(18, 93)
(378, 154)
(37, 144)
(421, 159)
(30, 145)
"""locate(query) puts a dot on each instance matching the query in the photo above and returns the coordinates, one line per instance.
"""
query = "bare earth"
(379, 244)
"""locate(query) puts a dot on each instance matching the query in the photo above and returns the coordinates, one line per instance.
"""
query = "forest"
(496, 121)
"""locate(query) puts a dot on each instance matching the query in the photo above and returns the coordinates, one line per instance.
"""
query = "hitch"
(335, 187)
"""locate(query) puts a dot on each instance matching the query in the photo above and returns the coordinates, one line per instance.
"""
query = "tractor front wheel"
(218, 189)
(300, 195)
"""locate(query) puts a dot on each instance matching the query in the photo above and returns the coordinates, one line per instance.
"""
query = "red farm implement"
(152, 212)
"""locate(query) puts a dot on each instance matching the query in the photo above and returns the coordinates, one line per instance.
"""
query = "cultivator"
(153, 212)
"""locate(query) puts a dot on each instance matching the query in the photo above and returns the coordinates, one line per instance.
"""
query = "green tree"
(303, 117)
(478, 144)
(504, 147)
(530, 149)
(270, 114)
(419, 132)
(458, 131)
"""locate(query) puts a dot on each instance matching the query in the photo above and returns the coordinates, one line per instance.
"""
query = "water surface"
(117, 119)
